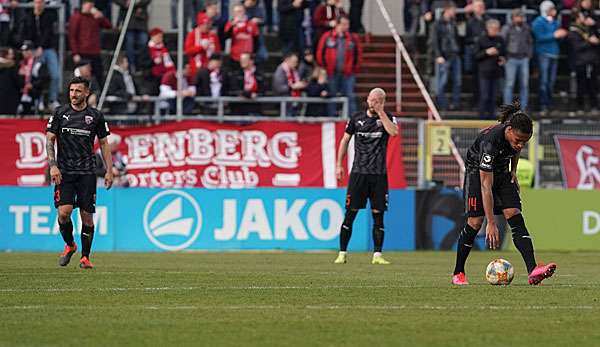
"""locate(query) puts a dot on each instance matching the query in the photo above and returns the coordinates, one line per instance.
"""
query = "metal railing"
(219, 105)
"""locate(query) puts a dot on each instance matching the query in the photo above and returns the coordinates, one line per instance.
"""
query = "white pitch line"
(314, 307)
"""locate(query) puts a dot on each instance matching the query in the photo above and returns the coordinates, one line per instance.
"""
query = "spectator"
(190, 9)
(168, 90)
(307, 65)
(325, 17)
(161, 60)
(119, 165)
(519, 49)
(41, 27)
(446, 51)
(122, 87)
(475, 28)
(84, 37)
(317, 88)
(25, 71)
(6, 7)
(106, 7)
(491, 53)
(413, 9)
(268, 4)
(340, 53)
(246, 81)
(356, 10)
(11, 83)
(201, 43)
(218, 20)
(584, 43)
(243, 33)
(586, 7)
(257, 14)
(546, 31)
(291, 13)
(286, 79)
(84, 69)
(136, 36)
(211, 79)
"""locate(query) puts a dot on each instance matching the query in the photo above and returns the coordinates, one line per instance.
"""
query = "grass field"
(293, 299)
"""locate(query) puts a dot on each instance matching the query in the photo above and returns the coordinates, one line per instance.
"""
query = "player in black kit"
(74, 128)
(368, 179)
(491, 189)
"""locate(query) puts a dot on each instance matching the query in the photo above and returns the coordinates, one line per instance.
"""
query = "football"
(499, 272)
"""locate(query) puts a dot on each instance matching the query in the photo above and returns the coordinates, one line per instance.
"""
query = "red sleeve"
(103, 22)
(74, 33)
(321, 49)
(190, 48)
(359, 53)
(216, 41)
(320, 17)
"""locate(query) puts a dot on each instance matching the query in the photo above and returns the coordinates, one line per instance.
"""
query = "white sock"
(376, 254)
(343, 252)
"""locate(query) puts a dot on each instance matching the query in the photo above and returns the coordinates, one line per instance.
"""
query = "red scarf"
(292, 77)
(250, 84)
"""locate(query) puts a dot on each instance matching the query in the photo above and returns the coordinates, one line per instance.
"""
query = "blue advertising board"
(203, 219)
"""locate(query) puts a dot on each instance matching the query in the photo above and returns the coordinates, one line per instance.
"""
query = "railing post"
(157, 111)
(345, 108)
(421, 154)
(283, 108)
(221, 110)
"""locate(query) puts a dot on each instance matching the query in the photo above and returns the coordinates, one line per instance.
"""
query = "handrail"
(433, 111)
(220, 103)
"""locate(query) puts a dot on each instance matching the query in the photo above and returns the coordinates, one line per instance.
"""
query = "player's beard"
(78, 101)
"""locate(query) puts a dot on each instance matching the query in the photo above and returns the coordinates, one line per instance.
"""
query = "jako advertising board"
(143, 219)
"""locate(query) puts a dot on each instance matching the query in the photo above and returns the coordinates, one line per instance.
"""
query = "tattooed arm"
(55, 174)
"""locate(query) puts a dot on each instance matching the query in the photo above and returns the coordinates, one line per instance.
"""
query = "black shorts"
(506, 194)
(76, 190)
(362, 187)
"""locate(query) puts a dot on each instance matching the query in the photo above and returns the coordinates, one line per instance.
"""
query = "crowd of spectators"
(225, 54)
(498, 53)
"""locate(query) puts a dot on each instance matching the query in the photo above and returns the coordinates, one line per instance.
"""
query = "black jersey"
(370, 143)
(76, 132)
(490, 151)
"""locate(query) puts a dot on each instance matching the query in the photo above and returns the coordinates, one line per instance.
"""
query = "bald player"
(368, 178)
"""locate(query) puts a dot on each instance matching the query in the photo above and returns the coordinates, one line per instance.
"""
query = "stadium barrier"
(152, 220)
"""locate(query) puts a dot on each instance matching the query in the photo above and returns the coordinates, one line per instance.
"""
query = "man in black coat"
(122, 87)
(491, 56)
(10, 83)
(291, 34)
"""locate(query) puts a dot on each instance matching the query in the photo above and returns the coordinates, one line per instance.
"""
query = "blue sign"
(203, 219)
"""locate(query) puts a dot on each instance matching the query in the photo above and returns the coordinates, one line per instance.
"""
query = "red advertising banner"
(580, 161)
(204, 154)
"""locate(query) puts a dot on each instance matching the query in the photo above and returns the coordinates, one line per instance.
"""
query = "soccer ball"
(499, 272)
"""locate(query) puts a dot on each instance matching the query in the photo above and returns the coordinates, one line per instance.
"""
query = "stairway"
(379, 70)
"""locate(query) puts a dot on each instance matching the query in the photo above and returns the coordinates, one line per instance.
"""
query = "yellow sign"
(440, 140)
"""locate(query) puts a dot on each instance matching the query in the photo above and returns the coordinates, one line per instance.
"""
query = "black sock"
(87, 236)
(522, 240)
(465, 244)
(378, 231)
(346, 229)
(66, 231)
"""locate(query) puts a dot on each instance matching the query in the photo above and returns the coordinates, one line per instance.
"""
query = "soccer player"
(74, 128)
(368, 178)
(491, 189)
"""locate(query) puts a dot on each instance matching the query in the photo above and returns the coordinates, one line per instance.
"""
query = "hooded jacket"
(543, 31)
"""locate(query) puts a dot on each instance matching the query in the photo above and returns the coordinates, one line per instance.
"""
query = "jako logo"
(172, 220)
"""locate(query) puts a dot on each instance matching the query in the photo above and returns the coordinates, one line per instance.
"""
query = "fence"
(286, 109)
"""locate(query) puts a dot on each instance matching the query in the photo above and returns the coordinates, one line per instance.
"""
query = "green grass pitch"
(293, 299)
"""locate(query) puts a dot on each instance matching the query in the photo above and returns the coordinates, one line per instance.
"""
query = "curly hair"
(512, 115)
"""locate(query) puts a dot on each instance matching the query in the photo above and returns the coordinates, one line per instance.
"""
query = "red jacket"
(327, 53)
(199, 47)
(161, 60)
(84, 33)
(242, 37)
